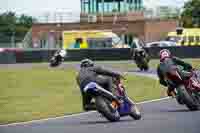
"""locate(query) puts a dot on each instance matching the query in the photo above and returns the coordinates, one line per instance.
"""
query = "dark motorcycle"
(141, 59)
(57, 58)
(113, 106)
(187, 90)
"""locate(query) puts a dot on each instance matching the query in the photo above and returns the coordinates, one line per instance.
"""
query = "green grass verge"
(130, 65)
(40, 92)
(142, 88)
(195, 63)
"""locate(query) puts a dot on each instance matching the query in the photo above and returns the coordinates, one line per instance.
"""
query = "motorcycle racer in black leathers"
(91, 73)
(141, 58)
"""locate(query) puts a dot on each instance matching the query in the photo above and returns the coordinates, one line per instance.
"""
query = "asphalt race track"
(164, 116)
(151, 73)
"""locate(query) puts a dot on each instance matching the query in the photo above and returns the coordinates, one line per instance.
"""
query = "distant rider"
(91, 73)
(166, 62)
(140, 52)
(58, 58)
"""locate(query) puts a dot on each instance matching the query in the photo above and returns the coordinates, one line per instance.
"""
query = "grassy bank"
(36, 91)
(40, 92)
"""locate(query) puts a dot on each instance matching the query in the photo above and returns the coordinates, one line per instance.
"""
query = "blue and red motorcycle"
(113, 105)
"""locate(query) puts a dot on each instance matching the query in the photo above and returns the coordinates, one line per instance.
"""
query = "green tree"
(13, 25)
(26, 21)
(191, 14)
(8, 22)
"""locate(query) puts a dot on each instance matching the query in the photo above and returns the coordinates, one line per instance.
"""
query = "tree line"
(14, 25)
(190, 16)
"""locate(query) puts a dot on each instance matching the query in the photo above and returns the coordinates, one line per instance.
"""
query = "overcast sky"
(36, 6)
(41, 6)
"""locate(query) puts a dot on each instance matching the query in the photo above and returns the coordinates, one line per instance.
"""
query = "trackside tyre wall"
(44, 55)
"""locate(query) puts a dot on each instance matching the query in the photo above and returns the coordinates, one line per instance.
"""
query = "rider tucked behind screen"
(167, 61)
(91, 73)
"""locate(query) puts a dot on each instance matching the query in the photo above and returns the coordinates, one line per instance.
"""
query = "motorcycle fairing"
(125, 107)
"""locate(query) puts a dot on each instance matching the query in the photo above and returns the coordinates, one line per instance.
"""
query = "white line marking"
(73, 115)
(84, 113)
(149, 75)
(154, 100)
(42, 120)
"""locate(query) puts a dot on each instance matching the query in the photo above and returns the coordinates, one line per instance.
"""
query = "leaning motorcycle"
(187, 90)
(57, 58)
(142, 60)
(113, 106)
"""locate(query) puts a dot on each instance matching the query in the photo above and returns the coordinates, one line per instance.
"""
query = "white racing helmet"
(63, 53)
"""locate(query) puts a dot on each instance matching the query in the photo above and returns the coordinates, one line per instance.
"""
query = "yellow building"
(84, 38)
(185, 36)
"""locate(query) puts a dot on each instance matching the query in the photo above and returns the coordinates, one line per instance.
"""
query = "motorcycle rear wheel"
(142, 67)
(54, 62)
(103, 106)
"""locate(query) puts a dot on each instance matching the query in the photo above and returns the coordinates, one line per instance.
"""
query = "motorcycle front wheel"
(135, 113)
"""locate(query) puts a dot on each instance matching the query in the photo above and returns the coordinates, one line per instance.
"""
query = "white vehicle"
(161, 44)
(138, 43)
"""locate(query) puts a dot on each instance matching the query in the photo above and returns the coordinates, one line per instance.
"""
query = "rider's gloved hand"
(122, 76)
(120, 97)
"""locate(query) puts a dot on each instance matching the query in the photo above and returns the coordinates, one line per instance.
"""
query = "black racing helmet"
(86, 63)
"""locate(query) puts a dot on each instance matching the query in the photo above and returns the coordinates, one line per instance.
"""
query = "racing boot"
(89, 107)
